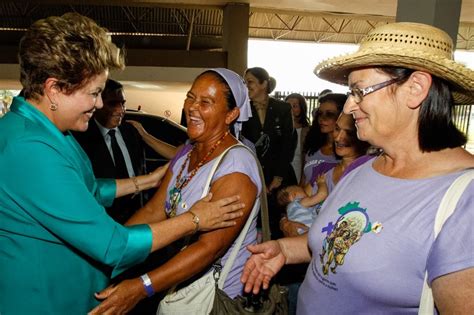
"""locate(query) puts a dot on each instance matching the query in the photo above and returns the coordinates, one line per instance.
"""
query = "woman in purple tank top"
(217, 98)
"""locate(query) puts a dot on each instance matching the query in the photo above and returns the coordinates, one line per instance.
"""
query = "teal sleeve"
(138, 235)
(47, 193)
(106, 191)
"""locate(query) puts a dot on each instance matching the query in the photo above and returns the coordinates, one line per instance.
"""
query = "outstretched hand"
(217, 214)
(266, 260)
(141, 130)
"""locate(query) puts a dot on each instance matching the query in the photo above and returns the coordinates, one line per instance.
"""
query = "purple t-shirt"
(237, 160)
(374, 239)
(313, 160)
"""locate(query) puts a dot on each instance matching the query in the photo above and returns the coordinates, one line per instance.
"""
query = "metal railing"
(311, 100)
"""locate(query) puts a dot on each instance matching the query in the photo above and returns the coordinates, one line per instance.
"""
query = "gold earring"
(53, 106)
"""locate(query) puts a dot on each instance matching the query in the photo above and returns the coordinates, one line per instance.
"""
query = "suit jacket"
(273, 140)
(94, 144)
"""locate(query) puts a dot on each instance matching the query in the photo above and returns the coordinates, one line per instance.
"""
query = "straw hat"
(407, 45)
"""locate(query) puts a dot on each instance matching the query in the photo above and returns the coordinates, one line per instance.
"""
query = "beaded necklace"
(175, 192)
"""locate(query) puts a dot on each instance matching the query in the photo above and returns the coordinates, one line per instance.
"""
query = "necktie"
(120, 166)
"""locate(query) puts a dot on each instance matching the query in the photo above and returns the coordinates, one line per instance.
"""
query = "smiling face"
(345, 136)
(76, 109)
(256, 89)
(205, 106)
(378, 117)
(327, 115)
(111, 115)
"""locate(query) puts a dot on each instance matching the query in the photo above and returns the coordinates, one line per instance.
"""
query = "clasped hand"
(121, 298)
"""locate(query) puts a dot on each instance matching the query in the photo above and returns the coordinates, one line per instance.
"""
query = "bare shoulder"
(463, 159)
(454, 160)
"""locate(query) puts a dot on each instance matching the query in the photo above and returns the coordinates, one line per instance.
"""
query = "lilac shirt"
(379, 230)
(296, 212)
(313, 160)
(237, 160)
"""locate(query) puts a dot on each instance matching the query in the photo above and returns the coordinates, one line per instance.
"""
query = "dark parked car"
(161, 128)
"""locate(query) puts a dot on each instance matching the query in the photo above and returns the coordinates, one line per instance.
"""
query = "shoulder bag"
(273, 301)
(198, 297)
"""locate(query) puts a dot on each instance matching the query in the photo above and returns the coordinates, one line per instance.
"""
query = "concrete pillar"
(236, 35)
(443, 14)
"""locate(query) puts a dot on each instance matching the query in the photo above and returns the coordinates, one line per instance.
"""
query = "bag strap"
(446, 208)
(217, 162)
(205, 191)
(238, 243)
(264, 213)
(264, 206)
(263, 194)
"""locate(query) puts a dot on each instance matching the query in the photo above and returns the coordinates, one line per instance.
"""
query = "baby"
(301, 205)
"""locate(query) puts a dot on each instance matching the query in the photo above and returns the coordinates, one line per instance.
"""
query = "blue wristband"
(147, 285)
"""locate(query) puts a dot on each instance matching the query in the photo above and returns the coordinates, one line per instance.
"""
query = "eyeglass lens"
(326, 114)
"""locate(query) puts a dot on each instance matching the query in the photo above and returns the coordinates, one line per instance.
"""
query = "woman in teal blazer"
(57, 244)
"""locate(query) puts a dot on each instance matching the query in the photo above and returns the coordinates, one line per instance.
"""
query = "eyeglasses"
(326, 114)
(358, 94)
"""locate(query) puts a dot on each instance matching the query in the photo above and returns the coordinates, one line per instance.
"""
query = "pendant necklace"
(181, 182)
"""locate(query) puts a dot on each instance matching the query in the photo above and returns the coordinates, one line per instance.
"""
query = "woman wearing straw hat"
(374, 239)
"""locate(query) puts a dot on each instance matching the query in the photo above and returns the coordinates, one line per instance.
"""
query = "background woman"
(271, 130)
(57, 244)
(215, 101)
(351, 152)
(299, 111)
(319, 144)
(349, 149)
(374, 237)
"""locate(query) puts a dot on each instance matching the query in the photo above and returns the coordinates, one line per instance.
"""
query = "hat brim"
(461, 78)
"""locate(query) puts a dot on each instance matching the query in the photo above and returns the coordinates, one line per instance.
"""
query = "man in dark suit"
(270, 129)
(115, 148)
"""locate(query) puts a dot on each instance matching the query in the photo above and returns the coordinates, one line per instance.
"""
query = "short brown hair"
(71, 48)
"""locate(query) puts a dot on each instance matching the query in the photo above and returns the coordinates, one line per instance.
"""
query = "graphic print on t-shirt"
(351, 225)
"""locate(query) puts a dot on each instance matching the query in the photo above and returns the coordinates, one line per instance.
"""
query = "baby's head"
(288, 194)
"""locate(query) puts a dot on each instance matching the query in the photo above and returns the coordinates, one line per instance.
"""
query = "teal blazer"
(57, 244)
